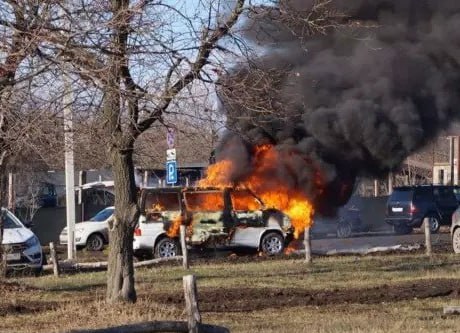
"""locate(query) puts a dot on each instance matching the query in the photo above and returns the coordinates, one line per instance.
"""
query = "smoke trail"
(355, 101)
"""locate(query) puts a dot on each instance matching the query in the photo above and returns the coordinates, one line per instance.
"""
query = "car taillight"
(137, 232)
(413, 209)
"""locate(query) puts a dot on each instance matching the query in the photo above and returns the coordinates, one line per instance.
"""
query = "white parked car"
(21, 247)
(214, 217)
(92, 234)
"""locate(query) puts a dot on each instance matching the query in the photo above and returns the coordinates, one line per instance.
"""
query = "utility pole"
(11, 194)
(390, 182)
(69, 168)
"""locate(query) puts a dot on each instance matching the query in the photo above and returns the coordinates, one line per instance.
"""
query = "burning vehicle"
(214, 217)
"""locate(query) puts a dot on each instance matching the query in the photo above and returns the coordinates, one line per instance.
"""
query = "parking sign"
(171, 172)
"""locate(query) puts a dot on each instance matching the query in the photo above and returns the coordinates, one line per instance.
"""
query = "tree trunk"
(3, 199)
(120, 275)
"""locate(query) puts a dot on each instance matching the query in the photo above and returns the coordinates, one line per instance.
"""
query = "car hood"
(16, 235)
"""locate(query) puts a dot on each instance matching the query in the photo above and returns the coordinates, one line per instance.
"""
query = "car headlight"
(79, 230)
(32, 241)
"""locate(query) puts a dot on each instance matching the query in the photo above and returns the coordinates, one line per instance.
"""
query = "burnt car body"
(214, 218)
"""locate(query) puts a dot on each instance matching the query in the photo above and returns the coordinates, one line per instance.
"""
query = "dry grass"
(77, 301)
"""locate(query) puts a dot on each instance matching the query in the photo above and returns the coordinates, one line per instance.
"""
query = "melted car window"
(245, 201)
(162, 201)
(204, 201)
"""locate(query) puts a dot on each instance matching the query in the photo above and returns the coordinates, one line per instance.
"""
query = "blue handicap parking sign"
(171, 172)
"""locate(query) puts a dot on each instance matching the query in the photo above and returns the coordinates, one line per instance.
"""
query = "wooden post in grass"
(54, 259)
(307, 244)
(191, 304)
(184, 247)
(426, 223)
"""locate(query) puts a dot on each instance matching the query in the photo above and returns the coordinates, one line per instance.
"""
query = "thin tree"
(20, 27)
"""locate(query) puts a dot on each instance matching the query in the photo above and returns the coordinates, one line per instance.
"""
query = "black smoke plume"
(354, 93)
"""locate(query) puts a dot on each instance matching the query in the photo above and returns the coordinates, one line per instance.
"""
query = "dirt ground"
(253, 299)
(246, 298)
(231, 300)
(246, 291)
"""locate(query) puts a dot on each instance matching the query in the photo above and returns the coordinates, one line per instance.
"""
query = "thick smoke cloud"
(356, 101)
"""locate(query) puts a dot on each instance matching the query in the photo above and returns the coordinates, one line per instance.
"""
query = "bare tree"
(20, 28)
(139, 59)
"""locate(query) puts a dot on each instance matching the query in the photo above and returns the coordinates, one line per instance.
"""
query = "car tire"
(456, 240)
(166, 248)
(434, 223)
(95, 242)
(344, 229)
(402, 229)
(272, 243)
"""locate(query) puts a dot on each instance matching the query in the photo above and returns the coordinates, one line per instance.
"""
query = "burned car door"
(161, 208)
(205, 216)
(247, 212)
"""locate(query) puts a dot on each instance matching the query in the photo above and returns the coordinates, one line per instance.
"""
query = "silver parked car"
(21, 247)
(455, 231)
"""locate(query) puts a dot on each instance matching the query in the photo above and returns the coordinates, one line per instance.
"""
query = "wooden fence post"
(54, 258)
(191, 304)
(183, 245)
(307, 244)
(426, 222)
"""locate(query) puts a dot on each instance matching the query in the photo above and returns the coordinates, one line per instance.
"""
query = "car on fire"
(21, 247)
(219, 218)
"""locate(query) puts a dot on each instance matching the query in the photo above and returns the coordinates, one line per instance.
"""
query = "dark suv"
(408, 206)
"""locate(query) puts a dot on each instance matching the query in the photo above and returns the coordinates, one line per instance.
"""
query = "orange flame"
(173, 230)
(278, 196)
(217, 175)
(157, 208)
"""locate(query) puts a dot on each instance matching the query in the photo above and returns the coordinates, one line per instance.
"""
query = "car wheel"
(456, 240)
(434, 223)
(272, 243)
(402, 229)
(95, 242)
(344, 229)
(166, 248)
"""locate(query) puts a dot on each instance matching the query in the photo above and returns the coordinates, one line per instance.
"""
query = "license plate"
(13, 256)
(397, 209)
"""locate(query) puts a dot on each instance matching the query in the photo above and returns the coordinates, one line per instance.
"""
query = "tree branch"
(204, 53)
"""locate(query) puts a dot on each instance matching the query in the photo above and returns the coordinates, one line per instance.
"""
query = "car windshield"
(9, 223)
(102, 215)
(401, 195)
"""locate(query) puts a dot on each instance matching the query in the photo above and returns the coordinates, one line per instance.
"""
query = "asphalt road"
(379, 241)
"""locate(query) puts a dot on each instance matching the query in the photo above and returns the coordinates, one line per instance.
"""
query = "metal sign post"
(171, 163)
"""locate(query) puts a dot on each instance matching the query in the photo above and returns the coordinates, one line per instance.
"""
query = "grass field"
(388, 293)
